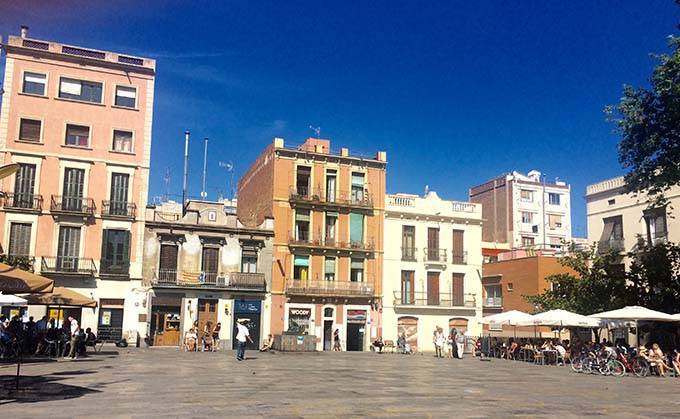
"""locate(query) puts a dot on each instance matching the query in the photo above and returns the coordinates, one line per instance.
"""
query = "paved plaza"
(169, 383)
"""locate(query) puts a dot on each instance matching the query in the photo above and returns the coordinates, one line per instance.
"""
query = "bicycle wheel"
(616, 368)
(640, 367)
(587, 366)
(577, 364)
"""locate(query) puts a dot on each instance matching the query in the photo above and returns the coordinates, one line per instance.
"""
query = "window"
(407, 290)
(611, 202)
(34, 83)
(331, 177)
(249, 257)
(527, 217)
(555, 221)
(210, 264)
(115, 257)
(553, 198)
(167, 270)
(24, 186)
(555, 242)
(356, 228)
(527, 241)
(433, 288)
(433, 244)
(356, 272)
(29, 130)
(494, 297)
(19, 239)
(458, 289)
(656, 225)
(302, 225)
(526, 195)
(510, 286)
(408, 241)
(119, 194)
(358, 188)
(85, 91)
(612, 234)
(68, 249)
(302, 181)
(77, 135)
(122, 141)
(126, 97)
(74, 183)
(458, 247)
(331, 221)
(329, 269)
(301, 267)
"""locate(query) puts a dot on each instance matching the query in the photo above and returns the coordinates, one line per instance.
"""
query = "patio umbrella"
(563, 318)
(17, 281)
(635, 314)
(61, 296)
(11, 300)
(511, 318)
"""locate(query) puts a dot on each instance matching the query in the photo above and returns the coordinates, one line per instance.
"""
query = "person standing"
(438, 342)
(75, 337)
(336, 340)
(460, 344)
(242, 335)
(216, 335)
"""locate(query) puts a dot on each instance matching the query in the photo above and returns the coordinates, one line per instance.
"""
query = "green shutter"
(301, 260)
(356, 227)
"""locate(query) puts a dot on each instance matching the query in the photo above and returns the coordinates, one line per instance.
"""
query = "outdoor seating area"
(610, 354)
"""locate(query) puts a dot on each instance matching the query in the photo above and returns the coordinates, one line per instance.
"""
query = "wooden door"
(458, 292)
(432, 244)
(207, 312)
(210, 264)
(74, 185)
(458, 249)
(407, 291)
(433, 288)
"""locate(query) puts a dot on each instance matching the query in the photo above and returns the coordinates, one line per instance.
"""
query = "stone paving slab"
(161, 382)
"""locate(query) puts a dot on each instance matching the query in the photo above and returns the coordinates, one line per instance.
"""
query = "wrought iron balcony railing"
(119, 209)
(72, 205)
(68, 265)
(460, 258)
(28, 202)
(493, 302)
(329, 288)
(353, 198)
(112, 267)
(424, 299)
(435, 255)
(613, 244)
(408, 254)
(248, 281)
(303, 239)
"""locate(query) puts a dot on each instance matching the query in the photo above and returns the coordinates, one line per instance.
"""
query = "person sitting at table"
(378, 344)
(676, 362)
(561, 352)
(191, 340)
(657, 359)
(512, 349)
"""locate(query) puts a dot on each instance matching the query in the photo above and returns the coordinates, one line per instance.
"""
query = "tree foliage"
(654, 277)
(648, 121)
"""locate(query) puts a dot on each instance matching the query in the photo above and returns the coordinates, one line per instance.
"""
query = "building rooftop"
(320, 146)
(432, 204)
(605, 185)
(36, 47)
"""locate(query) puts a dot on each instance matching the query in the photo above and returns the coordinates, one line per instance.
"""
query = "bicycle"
(635, 364)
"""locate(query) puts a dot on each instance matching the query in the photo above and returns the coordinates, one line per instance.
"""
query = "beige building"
(432, 267)
(78, 122)
(203, 266)
(616, 221)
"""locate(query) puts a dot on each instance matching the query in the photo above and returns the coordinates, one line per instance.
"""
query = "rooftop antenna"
(204, 194)
(317, 130)
(186, 170)
(166, 180)
(427, 189)
(230, 169)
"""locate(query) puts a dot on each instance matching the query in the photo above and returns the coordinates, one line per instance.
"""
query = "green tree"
(648, 121)
(599, 284)
(654, 277)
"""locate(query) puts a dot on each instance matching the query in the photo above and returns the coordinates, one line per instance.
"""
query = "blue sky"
(456, 92)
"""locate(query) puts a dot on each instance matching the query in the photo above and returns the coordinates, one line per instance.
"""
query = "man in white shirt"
(242, 334)
(75, 334)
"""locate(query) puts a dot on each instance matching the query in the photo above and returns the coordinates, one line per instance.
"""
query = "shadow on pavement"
(37, 389)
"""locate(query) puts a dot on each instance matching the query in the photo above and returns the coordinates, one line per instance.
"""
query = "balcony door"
(19, 239)
(408, 242)
(407, 289)
(68, 249)
(24, 186)
(458, 289)
(115, 251)
(331, 176)
(167, 270)
(457, 246)
(433, 244)
(74, 186)
(119, 193)
(210, 264)
(433, 288)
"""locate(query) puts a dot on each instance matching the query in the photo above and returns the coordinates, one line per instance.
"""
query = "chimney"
(24, 31)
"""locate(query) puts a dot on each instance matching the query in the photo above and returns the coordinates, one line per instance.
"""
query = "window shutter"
(458, 289)
(20, 239)
(71, 87)
(301, 260)
(458, 240)
(105, 244)
(29, 130)
(126, 246)
(356, 227)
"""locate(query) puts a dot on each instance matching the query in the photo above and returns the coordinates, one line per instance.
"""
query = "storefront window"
(298, 320)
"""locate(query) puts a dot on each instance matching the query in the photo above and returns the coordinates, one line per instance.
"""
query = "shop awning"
(17, 281)
(61, 297)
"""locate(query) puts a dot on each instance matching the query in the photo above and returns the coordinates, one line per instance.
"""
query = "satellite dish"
(8, 170)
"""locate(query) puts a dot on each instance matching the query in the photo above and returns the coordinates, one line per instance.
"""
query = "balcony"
(233, 280)
(329, 288)
(67, 265)
(359, 199)
(72, 206)
(460, 258)
(114, 268)
(611, 245)
(23, 202)
(119, 209)
(435, 255)
(492, 302)
(408, 254)
(304, 240)
(445, 300)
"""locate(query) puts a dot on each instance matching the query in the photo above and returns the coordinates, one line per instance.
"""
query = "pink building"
(78, 121)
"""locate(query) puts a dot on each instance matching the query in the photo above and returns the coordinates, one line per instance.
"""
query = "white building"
(617, 220)
(525, 210)
(432, 267)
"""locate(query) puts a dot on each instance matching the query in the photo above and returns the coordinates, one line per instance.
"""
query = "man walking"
(242, 335)
(75, 337)
(460, 344)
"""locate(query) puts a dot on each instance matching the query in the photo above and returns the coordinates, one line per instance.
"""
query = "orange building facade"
(517, 273)
(78, 121)
(328, 211)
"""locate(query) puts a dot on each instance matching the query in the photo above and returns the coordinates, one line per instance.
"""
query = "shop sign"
(356, 316)
(300, 312)
(247, 306)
